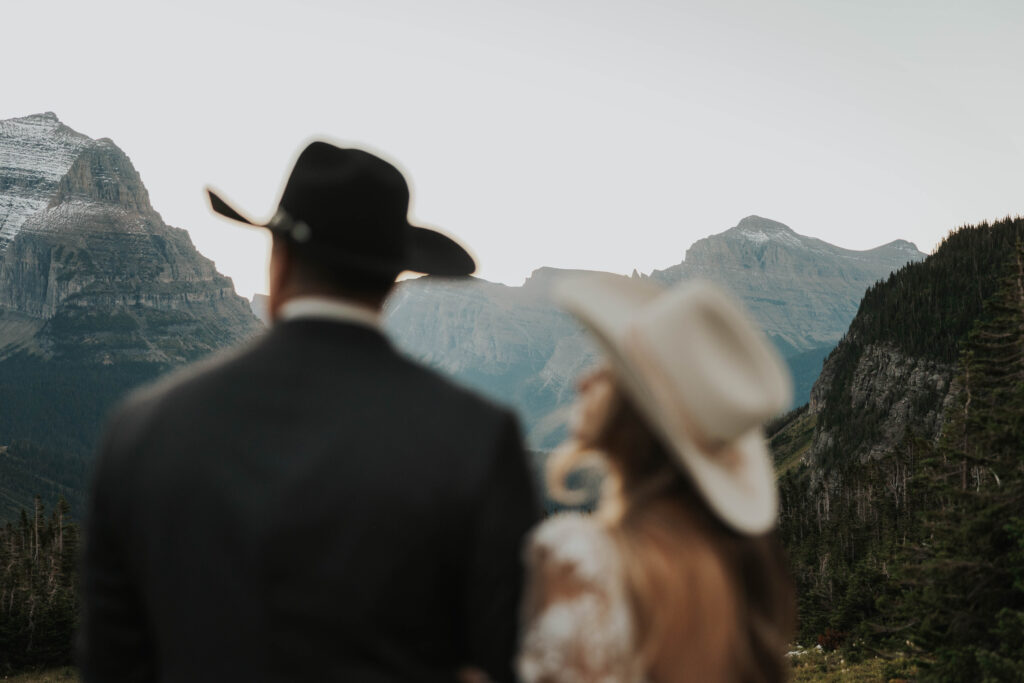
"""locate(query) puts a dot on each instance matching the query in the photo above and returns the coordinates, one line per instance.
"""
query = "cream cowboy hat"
(702, 374)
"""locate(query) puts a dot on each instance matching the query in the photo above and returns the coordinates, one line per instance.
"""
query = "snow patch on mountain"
(753, 236)
(762, 237)
(760, 230)
(35, 153)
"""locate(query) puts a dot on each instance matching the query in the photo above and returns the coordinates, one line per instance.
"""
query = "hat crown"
(711, 362)
(349, 198)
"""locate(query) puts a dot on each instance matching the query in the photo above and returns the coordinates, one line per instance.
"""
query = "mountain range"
(98, 295)
(513, 344)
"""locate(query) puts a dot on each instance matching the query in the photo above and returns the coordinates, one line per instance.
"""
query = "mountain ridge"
(514, 344)
(81, 233)
(803, 291)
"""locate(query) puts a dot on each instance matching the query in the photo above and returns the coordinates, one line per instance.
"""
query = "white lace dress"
(578, 625)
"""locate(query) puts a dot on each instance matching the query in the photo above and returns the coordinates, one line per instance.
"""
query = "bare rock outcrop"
(897, 394)
(84, 255)
(511, 343)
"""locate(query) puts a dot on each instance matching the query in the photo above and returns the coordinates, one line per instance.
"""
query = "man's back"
(314, 508)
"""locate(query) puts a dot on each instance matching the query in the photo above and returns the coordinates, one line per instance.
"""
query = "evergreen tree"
(38, 605)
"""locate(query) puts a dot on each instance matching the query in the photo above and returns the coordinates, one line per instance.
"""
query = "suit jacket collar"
(326, 308)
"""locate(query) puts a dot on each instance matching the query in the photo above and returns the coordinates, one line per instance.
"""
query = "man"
(314, 507)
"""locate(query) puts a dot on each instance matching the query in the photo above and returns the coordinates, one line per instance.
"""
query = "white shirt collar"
(326, 308)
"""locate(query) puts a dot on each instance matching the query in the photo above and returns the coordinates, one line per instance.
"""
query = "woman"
(678, 576)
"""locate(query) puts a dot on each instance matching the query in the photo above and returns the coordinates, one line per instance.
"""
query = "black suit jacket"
(313, 508)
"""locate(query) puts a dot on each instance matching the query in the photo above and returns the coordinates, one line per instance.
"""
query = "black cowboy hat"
(349, 208)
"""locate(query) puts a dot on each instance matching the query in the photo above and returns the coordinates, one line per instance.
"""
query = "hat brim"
(742, 494)
(433, 253)
(427, 251)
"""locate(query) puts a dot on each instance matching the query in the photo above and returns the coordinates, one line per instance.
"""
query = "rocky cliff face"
(894, 380)
(97, 293)
(88, 263)
(510, 343)
(904, 395)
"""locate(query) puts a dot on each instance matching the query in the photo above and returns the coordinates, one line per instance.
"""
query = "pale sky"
(577, 134)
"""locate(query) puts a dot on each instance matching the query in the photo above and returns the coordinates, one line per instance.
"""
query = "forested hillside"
(28, 470)
(903, 480)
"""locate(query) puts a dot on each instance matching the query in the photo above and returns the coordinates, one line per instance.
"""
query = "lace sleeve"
(577, 622)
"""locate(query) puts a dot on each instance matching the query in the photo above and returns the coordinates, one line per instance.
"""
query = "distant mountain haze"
(513, 344)
(804, 292)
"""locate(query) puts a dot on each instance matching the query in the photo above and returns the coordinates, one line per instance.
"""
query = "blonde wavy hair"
(709, 604)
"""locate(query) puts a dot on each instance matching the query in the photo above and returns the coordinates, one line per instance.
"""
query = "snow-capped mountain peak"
(35, 153)
(760, 230)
